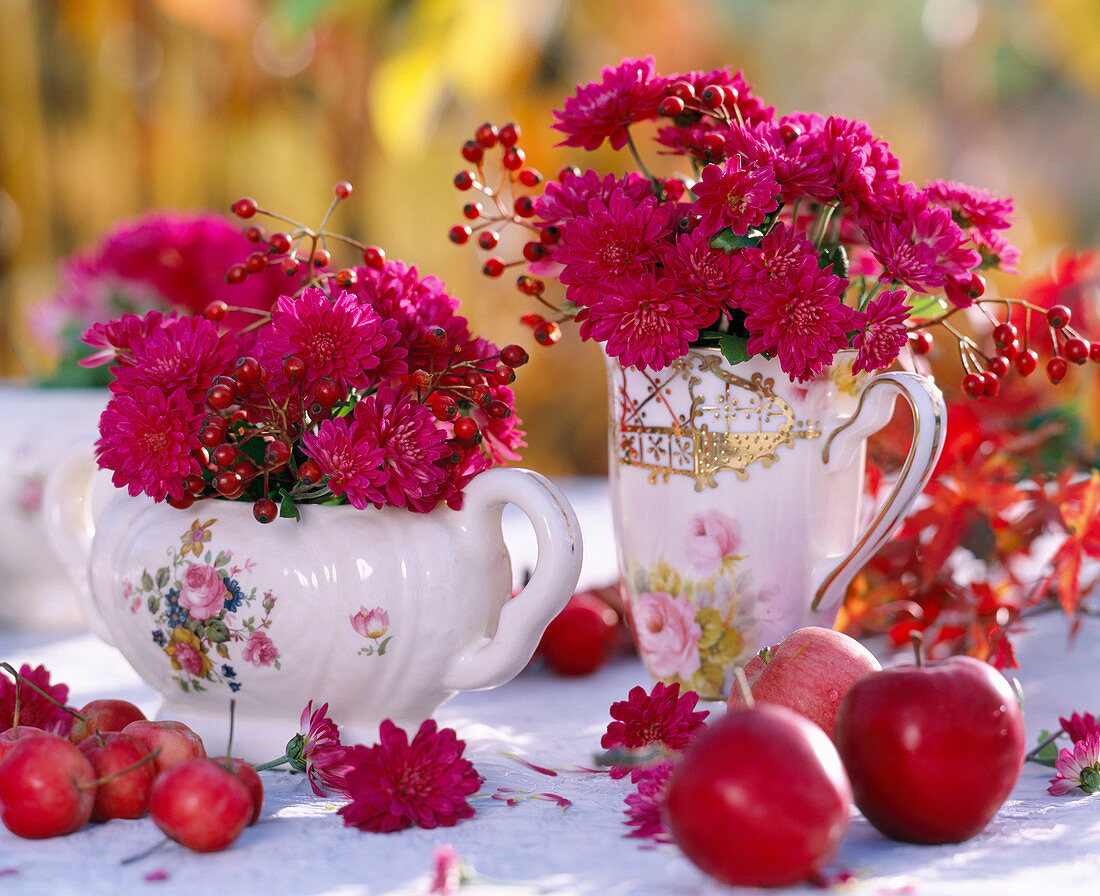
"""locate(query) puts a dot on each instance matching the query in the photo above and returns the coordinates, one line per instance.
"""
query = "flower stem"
(274, 763)
(1043, 744)
(657, 188)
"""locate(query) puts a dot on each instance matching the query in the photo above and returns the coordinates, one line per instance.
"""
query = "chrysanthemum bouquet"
(364, 386)
(161, 261)
(791, 236)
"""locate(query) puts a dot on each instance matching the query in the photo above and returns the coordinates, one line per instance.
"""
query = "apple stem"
(743, 684)
(918, 642)
(229, 743)
(145, 853)
(8, 667)
(15, 709)
(144, 760)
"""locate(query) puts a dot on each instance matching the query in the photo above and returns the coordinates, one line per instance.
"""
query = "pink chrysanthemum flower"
(34, 709)
(1079, 726)
(1078, 767)
(339, 339)
(568, 198)
(397, 784)
(662, 718)
(644, 806)
(412, 447)
(882, 331)
(447, 871)
(802, 320)
(115, 339)
(641, 322)
(182, 354)
(349, 456)
(150, 439)
(919, 244)
(627, 93)
(777, 259)
(317, 751)
(614, 241)
(971, 206)
(734, 196)
(703, 274)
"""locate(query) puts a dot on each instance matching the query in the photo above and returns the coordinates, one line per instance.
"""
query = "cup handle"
(499, 657)
(876, 405)
(70, 506)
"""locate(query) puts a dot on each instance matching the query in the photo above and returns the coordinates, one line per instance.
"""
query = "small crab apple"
(47, 788)
(9, 738)
(104, 715)
(582, 637)
(174, 740)
(125, 774)
(250, 778)
(201, 805)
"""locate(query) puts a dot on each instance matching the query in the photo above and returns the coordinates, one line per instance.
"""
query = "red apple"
(760, 799)
(809, 671)
(581, 637)
(124, 780)
(47, 788)
(250, 778)
(176, 741)
(12, 736)
(104, 715)
(933, 750)
(200, 804)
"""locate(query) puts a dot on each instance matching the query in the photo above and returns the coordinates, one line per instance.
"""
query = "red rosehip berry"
(504, 375)
(321, 258)
(309, 472)
(459, 234)
(990, 384)
(216, 311)
(713, 96)
(464, 180)
(277, 453)
(442, 406)
(245, 207)
(1003, 334)
(1056, 369)
(999, 366)
(229, 484)
(237, 273)
(374, 257)
(529, 177)
(466, 430)
(225, 455)
(1026, 362)
(921, 342)
(524, 207)
(497, 409)
(530, 286)
(1076, 350)
(248, 370)
(294, 368)
(255, 262)
(345, 278)
(472, 153)
(1058, 317)
(671, 106)
(290, 266)
(508, 135)
(265, 510)
(280, 243)
(513, 356)
(493, 267)
(713, 146)
(547, 333)
(534, 250)
(1010, 350)
(486, 136)
(471, 211)
(531, 319)
(685, 90)
(220, 396)
(254, 234)
(488, 239)
(1094, 351)
(342, 189)
(550, 234)
(514, 157)
(788, 132)
(325, 393)
(973, 385)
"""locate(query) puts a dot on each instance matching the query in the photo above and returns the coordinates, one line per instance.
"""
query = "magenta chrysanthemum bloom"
(882, 331)
(777, 259)
(662, 718)
(115, 339)
(349, 456)
(919, 244)
(641, 322)
(568, 198)
(1079, 726)
(317, 751)
(802, 320)
(613, 242)
(412, 448)
(181, 354)
(733, 196)
(602, 110)
(971, 207)
(1078, 767)
(644, 807)
(35, 709)
(702, 274)
(339, 339)
(150, 439)
(396, 784)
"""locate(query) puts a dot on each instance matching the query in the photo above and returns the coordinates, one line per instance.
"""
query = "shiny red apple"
(108, 714)
(582, 637)
(932, 750)
(760, 799)
(124, 779)
(809, 671)
(175, 740)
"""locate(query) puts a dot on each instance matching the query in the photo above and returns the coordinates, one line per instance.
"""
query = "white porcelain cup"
(737, 497)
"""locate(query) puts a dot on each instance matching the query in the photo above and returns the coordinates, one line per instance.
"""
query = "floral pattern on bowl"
(201, 612)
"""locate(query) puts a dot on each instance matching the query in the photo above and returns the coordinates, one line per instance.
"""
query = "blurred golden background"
(109, 108)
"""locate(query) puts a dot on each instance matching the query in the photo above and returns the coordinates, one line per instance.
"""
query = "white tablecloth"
(1036, 843)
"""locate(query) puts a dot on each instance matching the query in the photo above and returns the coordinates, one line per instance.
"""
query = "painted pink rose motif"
(667, 634)
(712, 537)
(260, 649)
(202, 590)
(372, 623)
(189, 658)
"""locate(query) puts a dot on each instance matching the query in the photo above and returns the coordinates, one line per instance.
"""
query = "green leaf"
(153, 603)
(382, 646)
(146, 581)
(162, 576)
(222, 558)
(926, 306)
(217, 631)
(835, 258)
(288, 509)
(222, 650)
(735, 349)
(728, 240)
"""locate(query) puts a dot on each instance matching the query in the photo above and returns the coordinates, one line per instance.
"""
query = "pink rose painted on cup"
(712, 537)
(667, 634)
(202, 591)
(372, 623)
(190, 659)
(260, 649)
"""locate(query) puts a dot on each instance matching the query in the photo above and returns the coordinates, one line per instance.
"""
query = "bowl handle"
(499, 657)
(876, 406)
(71, 502)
